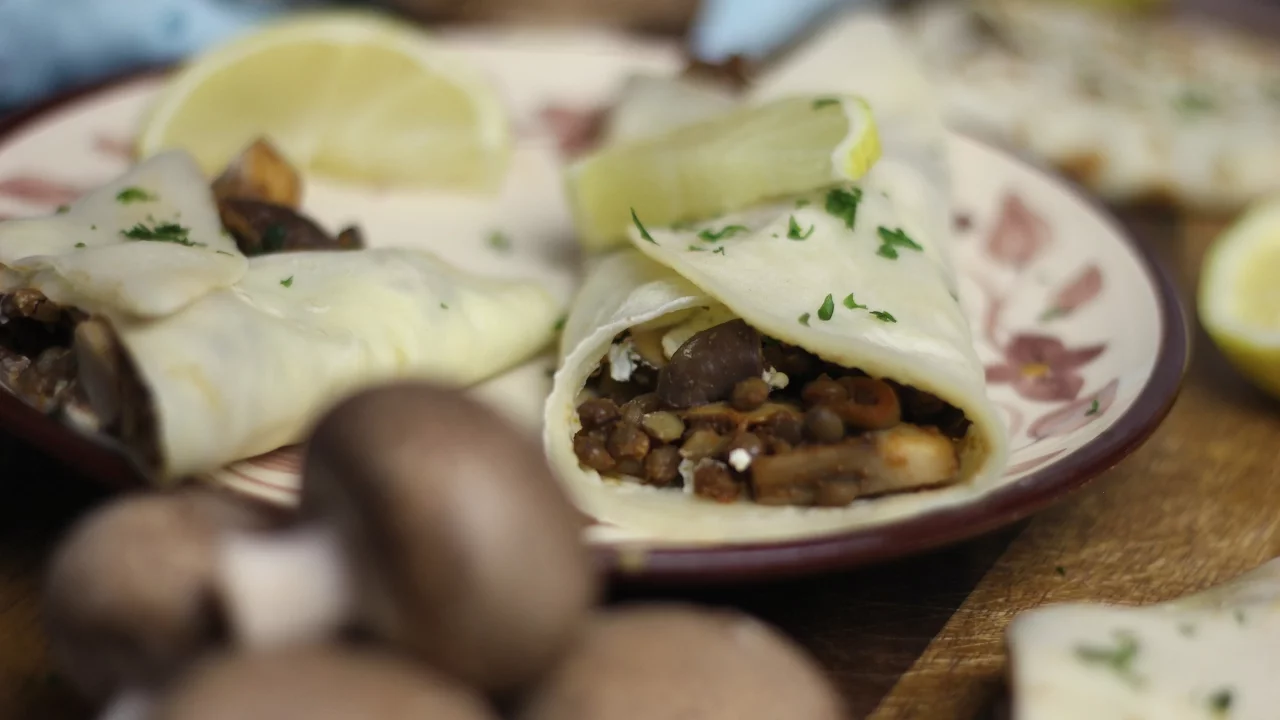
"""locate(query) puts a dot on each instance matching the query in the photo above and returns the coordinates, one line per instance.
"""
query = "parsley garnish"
(696, 248)
(79, 245)
(444, 306)
(883, 316)
(1220, 702)
(891, 240)
(718, 251)
(1194, 101)
(639, 226)
(802, 202)
(852, 304)
(133, 195)
(824, 102)
(287, 282)
(1119, 658)
(560, 321)
(499, 241)
(62, 209)
(793, 230)
(844, 204)
(93, 227)
(804, 319)
(273, 238)
(1093, 408)
(727, 231)
(224, 252)
(828, 308)
(161, 232)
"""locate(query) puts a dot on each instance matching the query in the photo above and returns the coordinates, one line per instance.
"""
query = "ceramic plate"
(1082, 336)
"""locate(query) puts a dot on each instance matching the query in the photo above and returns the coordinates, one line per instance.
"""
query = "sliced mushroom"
(708, 365)
(262, 228)
(129, 596)
(671, 662)
(260, 172)
(317, 683)
(871, 404)
(903, 458)
(434, 524)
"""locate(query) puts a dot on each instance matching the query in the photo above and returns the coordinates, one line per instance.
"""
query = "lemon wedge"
(1240, 295)
(353, 95)
(728, 162)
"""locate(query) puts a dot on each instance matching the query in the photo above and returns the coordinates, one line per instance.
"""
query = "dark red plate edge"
(726, 564)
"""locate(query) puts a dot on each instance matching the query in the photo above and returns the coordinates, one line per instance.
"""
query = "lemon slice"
(1240, 295)
(734, 160)
(353, 95)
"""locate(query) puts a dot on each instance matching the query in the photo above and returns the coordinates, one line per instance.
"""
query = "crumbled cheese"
(775, 379)
(622, 360)
(686, 469)
(740, 459)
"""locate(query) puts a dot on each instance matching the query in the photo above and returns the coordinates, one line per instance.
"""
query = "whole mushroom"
(129, 595)
(430, 521)
(670, 662)
(317, 683)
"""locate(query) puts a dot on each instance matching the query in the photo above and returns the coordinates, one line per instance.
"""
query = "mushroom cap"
(465, 549)
(316, 683)
(128, 597)
(670, 662)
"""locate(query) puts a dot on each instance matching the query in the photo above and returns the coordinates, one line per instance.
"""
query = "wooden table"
(921, 638)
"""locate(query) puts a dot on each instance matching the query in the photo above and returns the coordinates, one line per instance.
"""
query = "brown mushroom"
(871, 405)
(708, 365)
(671, 662)
(129, 596)
(260, 172)
(261, 228)
(905, 457)
(317, 683)
(431, 522)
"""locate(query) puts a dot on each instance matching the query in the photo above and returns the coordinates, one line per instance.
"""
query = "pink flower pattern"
(1076, 415)
(1041, 367)
(575, 130)
(1020, 234)
(39, 191)
(1078, 292)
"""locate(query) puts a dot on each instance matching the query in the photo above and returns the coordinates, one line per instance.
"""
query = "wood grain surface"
(921, 638)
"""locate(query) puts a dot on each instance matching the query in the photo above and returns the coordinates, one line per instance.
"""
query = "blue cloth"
(754, 28)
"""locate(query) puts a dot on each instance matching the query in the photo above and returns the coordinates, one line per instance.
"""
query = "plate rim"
(722, 564)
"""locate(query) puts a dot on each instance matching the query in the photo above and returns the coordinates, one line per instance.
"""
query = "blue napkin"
(754, 28)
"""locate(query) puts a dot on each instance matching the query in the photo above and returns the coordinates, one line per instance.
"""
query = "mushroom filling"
(36, 361)
(728, 414)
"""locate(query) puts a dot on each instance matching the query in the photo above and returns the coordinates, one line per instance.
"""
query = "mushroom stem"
(128, 705)
(285, 588)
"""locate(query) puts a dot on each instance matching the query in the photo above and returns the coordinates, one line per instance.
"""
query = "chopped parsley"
(560, 321)
(287, 282)
(727, 231)
(79, 245)
(640, 226)
(883, 316)
(844, 204)
(1220, 702)
(697, 248)
(1093, 408)
(273, 238)
(62, 210)
(891, 240)
(444, 306)
(161, 232)
(1118, 659)
(794, 232)
(1194, 101)
(852, 304)
(804, 319)
(224, 252)
(802, 202)
(718, 251)
(499, 241)
(93, 227)
(824, 102)
(133, 195)
(828, 308)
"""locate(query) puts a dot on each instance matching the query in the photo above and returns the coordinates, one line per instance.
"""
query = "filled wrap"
(791, 370)
(247, 369)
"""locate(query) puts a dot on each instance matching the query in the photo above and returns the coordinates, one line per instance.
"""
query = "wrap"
(247, 369)
(870, 290)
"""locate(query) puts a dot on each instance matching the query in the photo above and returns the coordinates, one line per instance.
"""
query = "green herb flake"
(697, 248)
(499, 241)
(727, 231)
(560, 321)
(1061, 571)
(161, 232)
(828, 308)
(93, 227)
(133, 195)
(802, 202)
(224, 252)
(273, 238)
(824, 102)
(1220, 702)
(852, 304)
(883, 316)
(640, 226)
(804, 319)
(79, 245)
(1118, 659)
(794, 232)
(897, 238)
(887, 251)
(1194, 101)
(444, 306)
(1052, 314)
(844, 204)
(1093, 408)
(718, 251)
(62, 210)
(287, 282)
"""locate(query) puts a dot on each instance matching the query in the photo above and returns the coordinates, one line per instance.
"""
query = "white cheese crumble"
(622, 360)
(740, 459)
(686, 469)
(774, 379)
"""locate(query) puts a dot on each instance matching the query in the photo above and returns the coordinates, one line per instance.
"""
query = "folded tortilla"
(144, 245)
(788, 274)
(247, 369)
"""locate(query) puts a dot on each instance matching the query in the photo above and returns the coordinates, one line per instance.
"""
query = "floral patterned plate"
(1083, 337)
